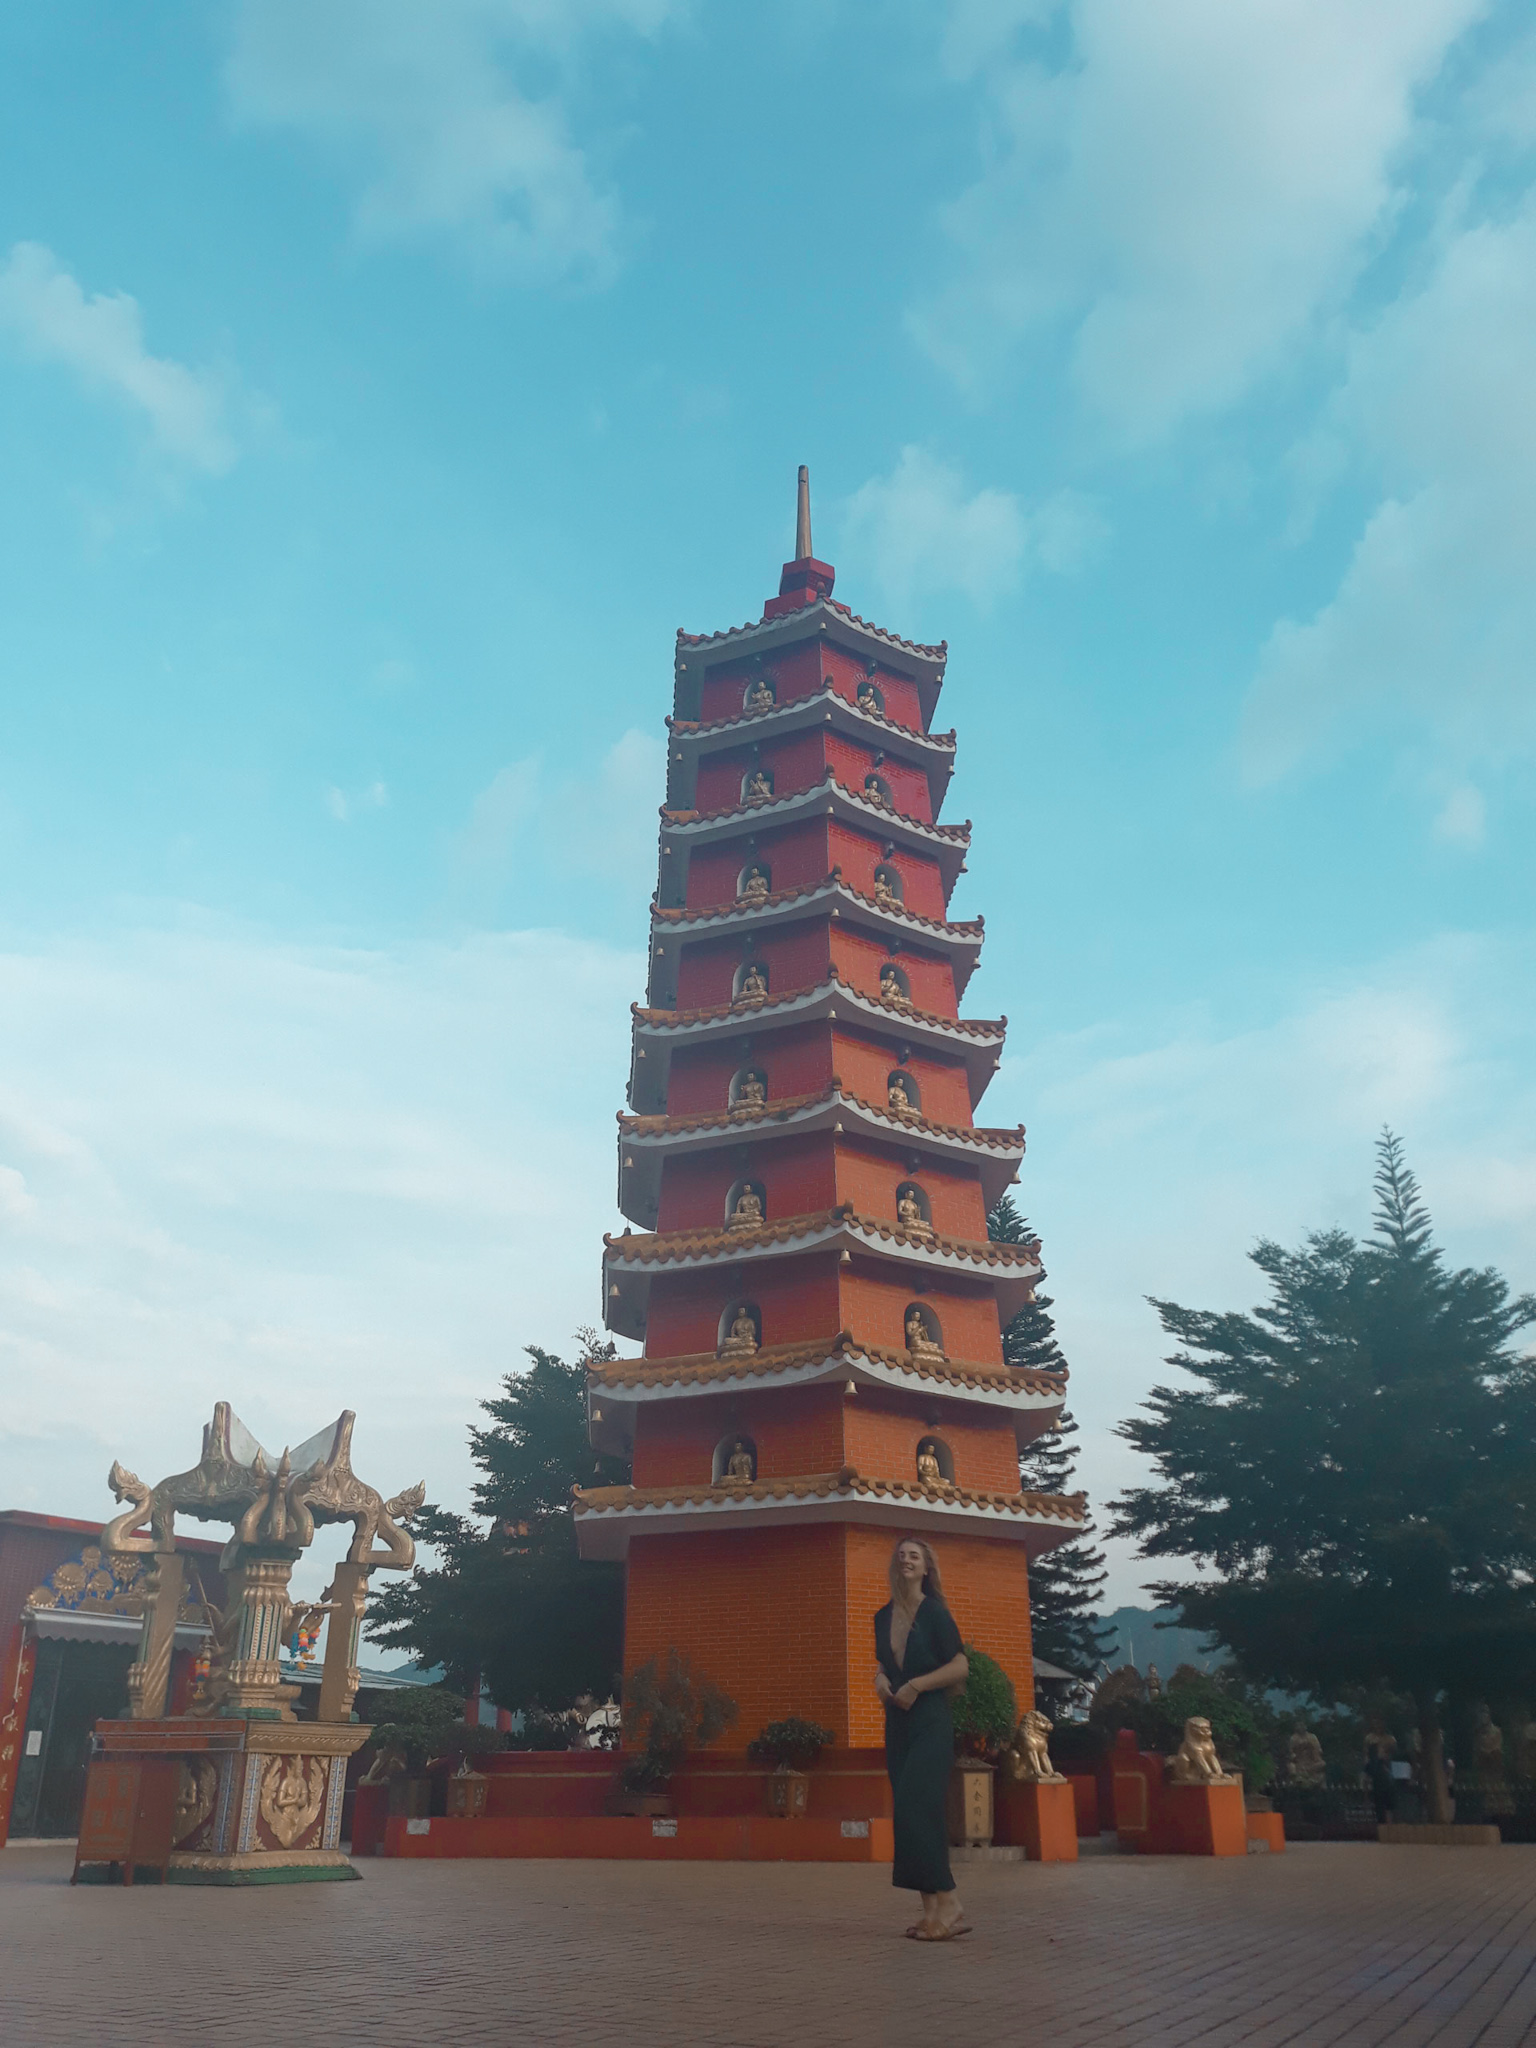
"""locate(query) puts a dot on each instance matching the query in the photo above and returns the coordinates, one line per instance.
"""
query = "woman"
(918, 1653)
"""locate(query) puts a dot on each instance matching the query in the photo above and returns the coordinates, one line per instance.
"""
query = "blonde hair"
(933, 1584)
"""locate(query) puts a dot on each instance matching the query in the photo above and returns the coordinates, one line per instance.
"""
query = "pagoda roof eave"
(697, 652)
(961, 942)
(945, 844)
(607, 1517)
(645, 1141)
(934, 753)
(632, 1261)
(977, 1042)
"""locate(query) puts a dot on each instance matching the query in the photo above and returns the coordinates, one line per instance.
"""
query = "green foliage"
(986, 1712)
(541, 1730)
(1242, 1726)
(513, 1603)
(426, 1722)
(1357, 1464)
(1065, 1583)
(667, 1712)
(791, 1745)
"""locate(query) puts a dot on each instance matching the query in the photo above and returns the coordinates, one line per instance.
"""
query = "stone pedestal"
(970, 1803)
(1200, 1820)
(257, 1801)
(1041, 1818)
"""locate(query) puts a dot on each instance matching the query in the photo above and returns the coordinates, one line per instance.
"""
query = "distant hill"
(1141, 1638)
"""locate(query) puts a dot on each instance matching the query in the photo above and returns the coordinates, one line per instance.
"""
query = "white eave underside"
(606, 1532)
(825, 707)
(828, 798)
(962, 948)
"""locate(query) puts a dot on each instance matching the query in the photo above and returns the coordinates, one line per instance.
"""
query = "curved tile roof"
(939, 653)
(845, 1484)
(999, 1139)
(652, 1248)
(761, 806)
(968, 1027)
(705, 1368)
(737, 908)
(702, 728)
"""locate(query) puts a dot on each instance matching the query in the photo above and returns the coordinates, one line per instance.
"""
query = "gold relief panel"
(293, 1792)
(197, 1786)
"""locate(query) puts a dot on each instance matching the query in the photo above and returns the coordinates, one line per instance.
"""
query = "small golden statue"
(739, 1467)
(748, 1212)
(885, 895)
(929, 1469)
(1304, 1755)
(868, 701)
(1154, 1683)
(891, 989)
(754, 888)
(751, 1092)
(1026, 1760)
(758, 789)
(898, 1096)
(742, 1341)
(919, 1342)
(909, 1214)
(759, 696)
(877, 792)
(1195, 1762)
(754, 985)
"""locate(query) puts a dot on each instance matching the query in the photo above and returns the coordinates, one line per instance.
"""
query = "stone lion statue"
(1196, 1761)
(1027, 1761)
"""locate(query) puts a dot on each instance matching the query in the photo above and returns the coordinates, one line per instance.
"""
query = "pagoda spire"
(803, 517)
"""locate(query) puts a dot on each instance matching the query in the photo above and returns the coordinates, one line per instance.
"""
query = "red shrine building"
(807, 1188)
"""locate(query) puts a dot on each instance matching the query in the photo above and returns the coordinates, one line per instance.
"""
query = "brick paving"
(1346, 1944)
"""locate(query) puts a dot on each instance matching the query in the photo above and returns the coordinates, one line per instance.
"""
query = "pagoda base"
(220, 1801)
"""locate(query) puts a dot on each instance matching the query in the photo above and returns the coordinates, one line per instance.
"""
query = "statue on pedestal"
(754, 985)
(929, 1470)
(898, 1096)
(742, 1340)
(891, 989)
(751, 1092)
(759, 696)
(1195, 1762)
(754, 888)
(919, 1340)
(909, 1214)
(739, 1466)
(1027, 1761)
(1304, 1758)
(748, 1212)
(759, 787)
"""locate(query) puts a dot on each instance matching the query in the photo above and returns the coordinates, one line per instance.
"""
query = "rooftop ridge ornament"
(804, 579)
(803, 516)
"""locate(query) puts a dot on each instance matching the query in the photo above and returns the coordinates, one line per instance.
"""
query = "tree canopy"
(1356, 1464)
(514, 1603)
(1064, 1584)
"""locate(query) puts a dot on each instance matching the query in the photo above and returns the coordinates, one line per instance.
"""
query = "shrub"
(791, 1745)
(667, 1713)
(1239, 1726)
(986, 1712)
(427, 1724)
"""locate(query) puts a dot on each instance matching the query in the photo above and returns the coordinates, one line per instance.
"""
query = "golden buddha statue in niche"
(748, 1212)
(909, 1214)
(877, 792)
(751, 1092)
(754, 888)
(898, 1096)
(739, 1466)
(758, 789)
(919, 1341)
(754, 985)
(891, 989)
(868, 701)
(759, 696)
(885, 895)
(742, 1341)
(928, 1467)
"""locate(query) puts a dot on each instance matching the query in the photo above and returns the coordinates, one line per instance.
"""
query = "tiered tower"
(810, 1271)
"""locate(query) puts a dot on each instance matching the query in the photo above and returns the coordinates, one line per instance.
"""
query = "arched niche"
(936, 1448)
(914, 1211)
(878, 790)
(921, 1331)
(888, 883)
(741, 1330)
(748, 1089)
(870, 696)
(895, 984)
(760, 694)
(903, 1097)
(754, 882)
(750, 982)
(734, 1444)
(757, 784)
(739, 1211)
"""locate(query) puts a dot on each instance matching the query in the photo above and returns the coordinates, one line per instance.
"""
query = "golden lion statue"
(1026, 1760)
(1196, 1761)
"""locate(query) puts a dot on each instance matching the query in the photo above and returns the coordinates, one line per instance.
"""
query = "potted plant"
(425, 1739)
(667, 1712)
(787, 1749)
(985, 1714)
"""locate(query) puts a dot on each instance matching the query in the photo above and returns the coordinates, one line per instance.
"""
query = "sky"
(381, 386)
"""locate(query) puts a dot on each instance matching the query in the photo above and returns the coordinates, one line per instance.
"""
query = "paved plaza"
(1346, 1943)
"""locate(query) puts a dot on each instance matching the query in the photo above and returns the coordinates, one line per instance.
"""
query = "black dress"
(920, 1747)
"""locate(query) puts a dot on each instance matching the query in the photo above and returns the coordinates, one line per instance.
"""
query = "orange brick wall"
(795, 955)
(868, 1176)
(795, 1059)
(783, 1619)
(864, 1066)
(859, 956)
(858, 855)
(881, 1433)
(874, 1305)
(796, 1430)
(798, 1298)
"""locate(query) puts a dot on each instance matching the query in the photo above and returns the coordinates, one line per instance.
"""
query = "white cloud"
(344, 807)
(454, 117)
(1185, 195)
(919, 531)
(1431, 629)
(1463, 817)
(298, 1178)
(101, 339)
(603, 821)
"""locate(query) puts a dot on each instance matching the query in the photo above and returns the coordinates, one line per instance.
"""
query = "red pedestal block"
(370, 1811)
(1039, 1819)
(1085, 1798)
(1199, 1820)
(739, 1838)
(1268, 1828)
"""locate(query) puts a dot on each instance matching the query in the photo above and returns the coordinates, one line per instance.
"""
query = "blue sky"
(380, 387)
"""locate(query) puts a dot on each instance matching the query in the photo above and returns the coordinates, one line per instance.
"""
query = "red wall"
(798, 1299)
(875, 1299)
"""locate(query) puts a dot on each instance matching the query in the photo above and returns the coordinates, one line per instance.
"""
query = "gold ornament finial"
(803, 516)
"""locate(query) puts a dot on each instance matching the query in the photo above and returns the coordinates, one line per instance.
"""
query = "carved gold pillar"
(348, 1596)
(149, 1676)
(251, 1674)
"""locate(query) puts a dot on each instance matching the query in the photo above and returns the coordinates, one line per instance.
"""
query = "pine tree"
(1065, 1583)
(513, 1603)
(1357, 1468)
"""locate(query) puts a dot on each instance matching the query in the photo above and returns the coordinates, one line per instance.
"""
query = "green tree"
(1065, 1583)
(513, 1602)
(1357, 1465)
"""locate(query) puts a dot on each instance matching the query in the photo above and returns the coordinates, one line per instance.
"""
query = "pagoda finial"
(803, 517)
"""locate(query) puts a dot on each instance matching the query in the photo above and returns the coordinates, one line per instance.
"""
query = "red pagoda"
(809, 1267)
